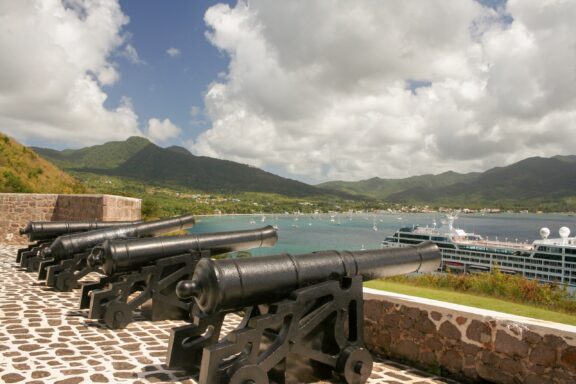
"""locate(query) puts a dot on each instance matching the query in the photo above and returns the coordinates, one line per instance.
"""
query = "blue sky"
(316, 91)
(162, 85)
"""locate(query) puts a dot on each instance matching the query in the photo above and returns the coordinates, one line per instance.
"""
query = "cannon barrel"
(68, 245)
(118, 256)
(44, 230)
(231, 284)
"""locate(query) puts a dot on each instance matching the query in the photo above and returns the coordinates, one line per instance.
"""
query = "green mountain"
(105, 156)
(383, 188)
(533, 180)
(541, 183)
(139, 159)
(22, 170)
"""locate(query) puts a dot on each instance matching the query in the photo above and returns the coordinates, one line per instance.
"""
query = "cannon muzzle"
(231, 284)
(124, 255)
(26, 230)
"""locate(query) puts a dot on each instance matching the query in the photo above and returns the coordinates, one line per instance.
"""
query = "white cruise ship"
(547, 259)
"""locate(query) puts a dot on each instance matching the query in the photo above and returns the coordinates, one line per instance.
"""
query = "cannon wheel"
(117, 315)
(355, 365)
(249, 374)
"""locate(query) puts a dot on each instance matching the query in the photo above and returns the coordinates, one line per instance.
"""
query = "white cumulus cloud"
(162, 130)
(55, 63)
(329, 89)
(173, 52)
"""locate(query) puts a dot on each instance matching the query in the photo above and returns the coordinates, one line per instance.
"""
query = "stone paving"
(44, 338)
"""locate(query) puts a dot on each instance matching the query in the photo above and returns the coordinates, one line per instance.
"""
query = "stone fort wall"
(469, 344)
(17, 209)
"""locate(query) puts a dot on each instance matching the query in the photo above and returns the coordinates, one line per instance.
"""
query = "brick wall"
(467, 343)
(17, 209)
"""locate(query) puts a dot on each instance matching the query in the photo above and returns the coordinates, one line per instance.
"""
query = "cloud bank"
(55, 64)
(351, 90)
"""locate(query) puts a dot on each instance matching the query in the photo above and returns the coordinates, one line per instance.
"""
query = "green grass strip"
(473, 301)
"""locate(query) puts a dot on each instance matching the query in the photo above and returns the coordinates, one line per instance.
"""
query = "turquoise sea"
(307, 233)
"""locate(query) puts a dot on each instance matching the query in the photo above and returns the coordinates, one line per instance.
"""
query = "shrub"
(500, 285)
(12, 183)
(150, 208)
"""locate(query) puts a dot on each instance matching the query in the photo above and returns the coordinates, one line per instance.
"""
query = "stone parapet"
(469, 343)
(17, 209)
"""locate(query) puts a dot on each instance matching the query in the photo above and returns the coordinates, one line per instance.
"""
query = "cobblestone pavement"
(44, 338)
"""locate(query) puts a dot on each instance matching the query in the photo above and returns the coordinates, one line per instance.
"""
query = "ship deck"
(494, 244)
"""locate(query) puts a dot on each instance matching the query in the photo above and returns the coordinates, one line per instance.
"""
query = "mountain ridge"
(382, 188)
(140, 159)
(535, 181)
(102, 156)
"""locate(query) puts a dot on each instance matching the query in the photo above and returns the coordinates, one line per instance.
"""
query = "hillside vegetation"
(545, 184)
(382, 188)
(22, 170)
(172, 181)
(162, 201)
(139, 159)
(537, 184)
(104, 156)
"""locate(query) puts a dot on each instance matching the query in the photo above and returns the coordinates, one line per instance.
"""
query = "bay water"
(308, 233)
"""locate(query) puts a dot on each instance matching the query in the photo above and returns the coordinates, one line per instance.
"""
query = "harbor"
(301, 233)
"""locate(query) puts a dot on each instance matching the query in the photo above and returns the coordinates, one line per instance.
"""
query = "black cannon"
(64, 261)
(303, 315)
(147, 271)
(43, 233)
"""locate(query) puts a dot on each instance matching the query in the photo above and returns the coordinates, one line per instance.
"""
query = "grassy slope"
(473, 301)
(22, 170)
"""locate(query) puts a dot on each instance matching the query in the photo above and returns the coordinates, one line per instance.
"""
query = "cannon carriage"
(143, 271)
(41, 234)
(64, 262)
(303, 315)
